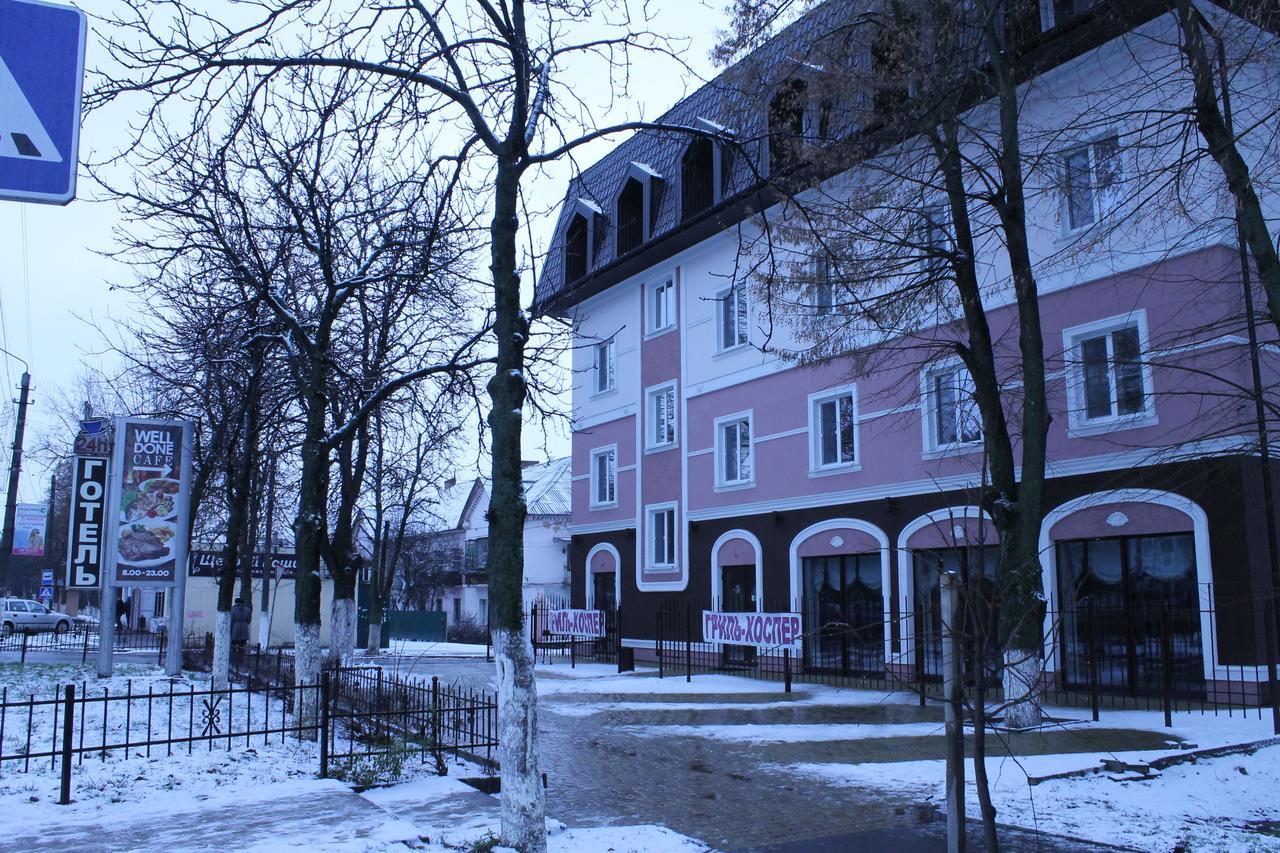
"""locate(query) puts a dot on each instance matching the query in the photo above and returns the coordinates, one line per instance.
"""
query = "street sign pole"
(178, 601)
(107, 623)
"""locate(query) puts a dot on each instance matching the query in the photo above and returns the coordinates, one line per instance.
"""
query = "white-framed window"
(732, 314)
(951, 416)
(604, 379)
(833, 429)
(604, 477)
(662, 305)
(661, 416)
(1091, 177)
(822, 295)
(935, 240)
(663, 536)
(735, 455)
(1108, 381)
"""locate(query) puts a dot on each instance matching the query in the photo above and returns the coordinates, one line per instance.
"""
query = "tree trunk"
(1019, 581)
(374, 645)
(523, 807)
(342, 626)
(309, 530)
(221, 675)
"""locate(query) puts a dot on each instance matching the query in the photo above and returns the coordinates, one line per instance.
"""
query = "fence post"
(617, 639)
(688, 646)
(949, 581)
(658, 641)
(68, 718)
(84, 658)
(1093, 659)
(435, 712)
(1166, 668)
(26, 635)
(786, 669)
(160, 651)
(324, 724)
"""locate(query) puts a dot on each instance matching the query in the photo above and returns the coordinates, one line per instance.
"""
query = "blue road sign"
(46, 578)
(45, 593)
(41, 80)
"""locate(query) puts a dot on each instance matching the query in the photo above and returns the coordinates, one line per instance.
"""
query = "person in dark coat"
(240, 616)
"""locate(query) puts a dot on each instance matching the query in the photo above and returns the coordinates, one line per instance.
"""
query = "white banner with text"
(762, 630)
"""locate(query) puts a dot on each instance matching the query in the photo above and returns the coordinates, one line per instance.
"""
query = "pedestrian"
(240, 616)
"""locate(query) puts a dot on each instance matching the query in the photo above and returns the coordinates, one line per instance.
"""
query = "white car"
(20, 614)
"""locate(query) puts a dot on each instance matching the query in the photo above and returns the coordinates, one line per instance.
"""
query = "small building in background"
(446, 568)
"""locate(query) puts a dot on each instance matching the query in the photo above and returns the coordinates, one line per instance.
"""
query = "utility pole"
(15, 468)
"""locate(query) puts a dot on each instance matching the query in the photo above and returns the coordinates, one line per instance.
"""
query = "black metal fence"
(550, 646)
(360, 714)
(83, 638)
(1150, 659)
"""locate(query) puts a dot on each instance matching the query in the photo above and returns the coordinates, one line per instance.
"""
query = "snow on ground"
(1213, 804)
(213, 789)
(799, 733)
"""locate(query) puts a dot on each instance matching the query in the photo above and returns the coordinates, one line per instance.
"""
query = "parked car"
(20, 614)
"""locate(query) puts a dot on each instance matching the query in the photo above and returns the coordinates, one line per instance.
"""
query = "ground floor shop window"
(1128, 603)
(844, 613)
(978, 616)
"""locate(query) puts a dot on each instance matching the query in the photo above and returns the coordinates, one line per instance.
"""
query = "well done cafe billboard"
(762, 630)
(150, 501)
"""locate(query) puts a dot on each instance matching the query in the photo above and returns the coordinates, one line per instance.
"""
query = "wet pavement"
(607, 763)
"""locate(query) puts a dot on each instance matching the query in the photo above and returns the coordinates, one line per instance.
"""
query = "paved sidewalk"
(317, 815)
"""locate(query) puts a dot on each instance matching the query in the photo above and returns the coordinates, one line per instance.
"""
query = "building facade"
(461, 542)
(713, 468)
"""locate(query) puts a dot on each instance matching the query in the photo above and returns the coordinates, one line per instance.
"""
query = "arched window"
(697, 177)
(630, 217)
(786, 125)
(577, 248)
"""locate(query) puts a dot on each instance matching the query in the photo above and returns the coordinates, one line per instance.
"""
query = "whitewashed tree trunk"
(307, 672)
(264, 631)
(374, 646)
(221, 651)
(342, 631)
(522, 794)
(1022, 689)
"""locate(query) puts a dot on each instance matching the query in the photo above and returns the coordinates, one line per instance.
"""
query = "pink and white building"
(710, 469)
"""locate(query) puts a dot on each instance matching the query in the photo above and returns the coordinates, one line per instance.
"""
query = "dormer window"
(580, 241)
(1056, 12)
(576, 249)
(637, 208)
(697, 177)
(786, 125)
(630, 216)
(893, 52)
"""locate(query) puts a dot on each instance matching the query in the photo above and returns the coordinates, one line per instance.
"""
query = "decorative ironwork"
(211, 716)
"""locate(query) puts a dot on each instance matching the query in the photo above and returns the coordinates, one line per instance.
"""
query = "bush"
(468, 631)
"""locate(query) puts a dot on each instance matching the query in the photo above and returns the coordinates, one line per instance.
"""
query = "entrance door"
(844, 613)
(1129, 600)
(977, 570)
(604, 591)
(738, 595)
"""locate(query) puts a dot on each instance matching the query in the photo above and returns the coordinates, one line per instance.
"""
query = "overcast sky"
(53, 283)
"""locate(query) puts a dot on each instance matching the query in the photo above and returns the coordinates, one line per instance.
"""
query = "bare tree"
(494, 75)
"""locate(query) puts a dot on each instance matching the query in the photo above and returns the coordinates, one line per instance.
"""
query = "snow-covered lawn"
(260, 795)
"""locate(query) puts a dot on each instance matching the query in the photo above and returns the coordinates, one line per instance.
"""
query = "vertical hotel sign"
(150, 502)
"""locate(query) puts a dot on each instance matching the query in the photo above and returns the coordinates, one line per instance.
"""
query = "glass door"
(844, 613)
(738, 595)
(1129, 601)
